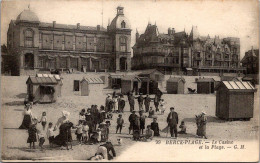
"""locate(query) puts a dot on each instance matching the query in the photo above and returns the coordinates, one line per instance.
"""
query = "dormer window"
(123, 24)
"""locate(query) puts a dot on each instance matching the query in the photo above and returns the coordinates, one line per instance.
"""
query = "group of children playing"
(34, 132)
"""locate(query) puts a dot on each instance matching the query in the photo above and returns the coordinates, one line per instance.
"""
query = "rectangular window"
(90, 44)
(58, 39)
(29, 38)
(69, 42)
(41, 63)
(100, 44)
(63, 62)
(80, 44)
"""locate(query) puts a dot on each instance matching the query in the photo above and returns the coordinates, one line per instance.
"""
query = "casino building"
(39, 46)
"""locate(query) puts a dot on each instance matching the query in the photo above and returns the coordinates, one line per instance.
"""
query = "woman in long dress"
(201, 122)
(27, 118)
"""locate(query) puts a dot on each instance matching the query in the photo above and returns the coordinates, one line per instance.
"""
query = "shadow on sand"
(14, 103)
(21, 95)
(209, 119)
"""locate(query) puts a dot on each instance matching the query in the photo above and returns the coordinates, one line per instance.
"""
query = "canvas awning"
(116, 76)
(189, 69)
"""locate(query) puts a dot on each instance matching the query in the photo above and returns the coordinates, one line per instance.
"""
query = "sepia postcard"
(130, 80)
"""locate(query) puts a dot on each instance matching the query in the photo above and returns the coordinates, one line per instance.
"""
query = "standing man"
(140, 100)
(131, 100)
(132, 118)
(147, 101)
(108, 99)
(172, 121)
(156, 102)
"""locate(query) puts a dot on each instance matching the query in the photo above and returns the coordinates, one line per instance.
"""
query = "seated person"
(155, 127)
(110, 148)
(183, 128)
(151, 112)
(148, 134)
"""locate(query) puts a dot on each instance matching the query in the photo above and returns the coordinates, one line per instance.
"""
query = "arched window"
(123, 43)
(123, 24)
(28, 38)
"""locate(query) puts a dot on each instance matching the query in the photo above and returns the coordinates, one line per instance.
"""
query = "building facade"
(251, 61)
(165, 52)
(178, 51)
(39, 46)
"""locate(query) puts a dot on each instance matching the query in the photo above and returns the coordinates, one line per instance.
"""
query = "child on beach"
(43, 120)
(50, 134)
(120, 122)
(155, 127)
(85, 132)
(32, 131)
(79, 131)
(183, 128)
(41, 138)
(151, 113)
(82, 117)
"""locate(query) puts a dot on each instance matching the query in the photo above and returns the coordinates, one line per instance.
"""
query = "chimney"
(78, 25)
(169, 31)
(54, 24)
(136, 36)
(173, 31)
(98, 27)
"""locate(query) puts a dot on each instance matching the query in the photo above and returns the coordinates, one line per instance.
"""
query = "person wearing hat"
(147, 101)
(89, 120)
(63, 119)
(142, 121)
(107, 103)
(102, 114)
(27, 117)
(140, 100)
(201, 121)
(131, 100)
(121, 104)
(120, 123)
(172, 121)
(155, 127)
(132, 119)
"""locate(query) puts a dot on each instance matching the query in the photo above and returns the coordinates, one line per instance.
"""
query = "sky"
(223, 18)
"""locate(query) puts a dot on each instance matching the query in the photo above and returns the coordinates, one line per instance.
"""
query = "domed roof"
(120, 21)
(27, 15)
(116, 22)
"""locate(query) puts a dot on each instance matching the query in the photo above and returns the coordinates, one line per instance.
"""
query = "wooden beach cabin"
(130, 83)
(175, 85)
(205, 85)
(91, 85)
(235, 100)
(42, 89)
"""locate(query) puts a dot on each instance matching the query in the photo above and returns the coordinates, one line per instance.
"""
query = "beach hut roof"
(93, 80)
(41, 80)
(131, 77)
(56, 76)
(237, 85)
(205, 80)
(176, 79)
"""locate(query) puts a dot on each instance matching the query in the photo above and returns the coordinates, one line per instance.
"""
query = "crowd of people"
(94, 123)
